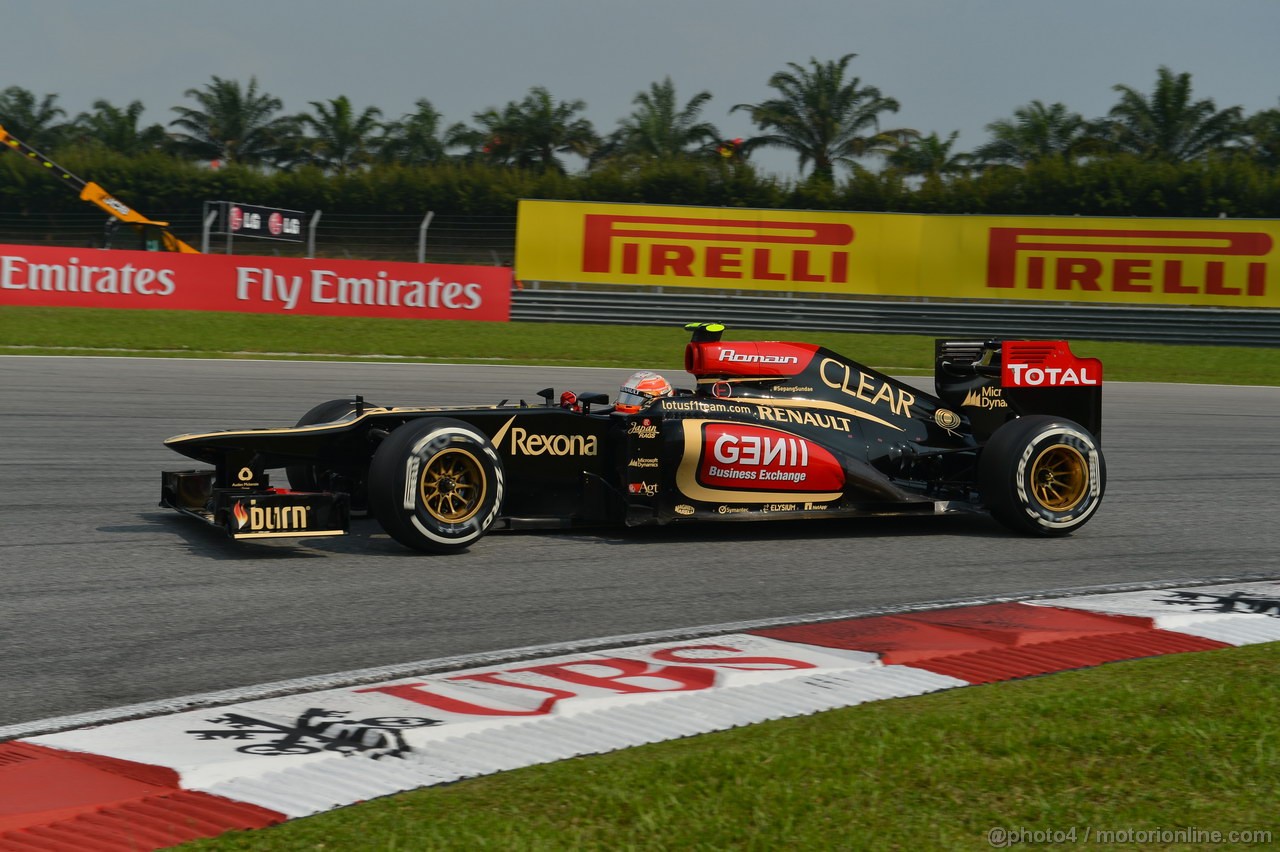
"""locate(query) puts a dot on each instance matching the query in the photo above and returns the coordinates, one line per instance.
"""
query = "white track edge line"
(337, 680)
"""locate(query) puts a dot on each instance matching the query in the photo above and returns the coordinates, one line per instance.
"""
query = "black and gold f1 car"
(773, 430)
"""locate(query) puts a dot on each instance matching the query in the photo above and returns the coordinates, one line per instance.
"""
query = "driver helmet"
(636, 391)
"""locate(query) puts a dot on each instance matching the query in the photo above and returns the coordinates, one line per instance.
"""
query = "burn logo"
(255, 518)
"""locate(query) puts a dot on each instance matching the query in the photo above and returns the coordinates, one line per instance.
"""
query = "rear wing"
(994, 381)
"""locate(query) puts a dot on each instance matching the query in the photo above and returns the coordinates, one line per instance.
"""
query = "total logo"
(1025, 375)
(1047, 363)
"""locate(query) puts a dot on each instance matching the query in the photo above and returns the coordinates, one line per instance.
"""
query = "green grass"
(1166, 743)
(213, 335)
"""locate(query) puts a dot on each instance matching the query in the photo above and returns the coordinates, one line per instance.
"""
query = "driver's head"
(636, 391)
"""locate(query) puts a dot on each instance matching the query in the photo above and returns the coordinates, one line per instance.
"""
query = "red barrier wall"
(94, 278)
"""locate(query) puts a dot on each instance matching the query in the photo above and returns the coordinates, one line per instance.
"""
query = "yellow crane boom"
(95, 194)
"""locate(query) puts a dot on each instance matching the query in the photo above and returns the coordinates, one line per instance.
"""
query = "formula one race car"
(772, 431)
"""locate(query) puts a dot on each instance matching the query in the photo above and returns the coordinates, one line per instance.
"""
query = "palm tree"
(235, 125)
(414, 140)
(659, 129)
(340, 140)
(529, 134)
(930, 157)
(1262, 137)
(1168, 125)
(825, 119)
(117, 129)
(34, 121)
(1036, 132)
(485, 143)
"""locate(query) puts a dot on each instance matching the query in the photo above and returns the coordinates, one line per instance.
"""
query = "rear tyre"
(1042, 475)
(436, 485)
(308, 477)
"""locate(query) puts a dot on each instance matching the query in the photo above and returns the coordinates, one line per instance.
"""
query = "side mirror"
(589, 399)
(546, 394)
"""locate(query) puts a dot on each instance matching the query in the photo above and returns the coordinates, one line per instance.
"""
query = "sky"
(953, 65)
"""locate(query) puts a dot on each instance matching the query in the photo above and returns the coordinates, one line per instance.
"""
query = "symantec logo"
(731, 249)
(1046, 363)
(1172, 262)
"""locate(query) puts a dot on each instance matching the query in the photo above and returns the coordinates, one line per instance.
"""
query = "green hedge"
(1119, 186)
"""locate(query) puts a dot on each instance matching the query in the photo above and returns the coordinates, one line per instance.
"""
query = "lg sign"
(268, 223)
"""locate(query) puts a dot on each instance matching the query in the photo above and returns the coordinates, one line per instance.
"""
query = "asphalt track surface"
(107, 600)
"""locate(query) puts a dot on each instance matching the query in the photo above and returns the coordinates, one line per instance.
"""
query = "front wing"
(255, 510)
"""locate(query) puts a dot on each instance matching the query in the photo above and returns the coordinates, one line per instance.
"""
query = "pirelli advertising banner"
(1224, 262)
(95, 278)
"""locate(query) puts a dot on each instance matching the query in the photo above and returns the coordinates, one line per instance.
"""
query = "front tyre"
(436, 485)
(310, 477)
(1042, 475)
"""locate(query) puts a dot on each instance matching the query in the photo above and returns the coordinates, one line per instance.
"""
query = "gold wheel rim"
(1060, 478)
(452, 486)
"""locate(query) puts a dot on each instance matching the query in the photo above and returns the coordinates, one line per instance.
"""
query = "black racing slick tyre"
(1042, 475)
(308, 477)
(436, 485)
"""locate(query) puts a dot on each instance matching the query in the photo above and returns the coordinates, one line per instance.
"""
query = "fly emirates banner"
(94, 278)
(1225, 262)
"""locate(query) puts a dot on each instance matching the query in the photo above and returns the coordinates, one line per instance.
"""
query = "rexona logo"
(1171, 262)
(731, 249)
(1047, 363)
(758, 458)
(255, 518)
(525, 443)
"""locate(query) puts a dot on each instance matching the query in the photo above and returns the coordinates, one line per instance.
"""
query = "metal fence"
(463, 239)
(1221, 327)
